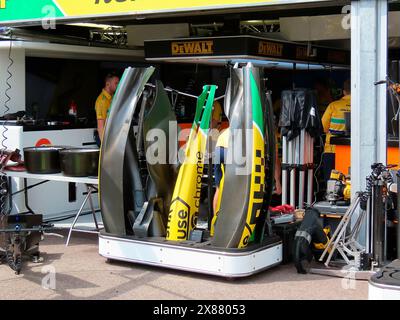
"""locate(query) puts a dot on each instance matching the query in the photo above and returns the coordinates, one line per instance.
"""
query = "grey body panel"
(158, 116)
(149, 222)
(113, 149)
(233, 211)
(134, 193)
(270, 155)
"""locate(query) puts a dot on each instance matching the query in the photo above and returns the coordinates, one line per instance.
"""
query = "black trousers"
(328, 164)
(97, 138)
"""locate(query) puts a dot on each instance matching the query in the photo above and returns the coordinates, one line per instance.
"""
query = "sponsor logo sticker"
(192, 47)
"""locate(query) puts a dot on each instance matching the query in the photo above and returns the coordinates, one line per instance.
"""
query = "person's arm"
(326, 118)
(101, 118)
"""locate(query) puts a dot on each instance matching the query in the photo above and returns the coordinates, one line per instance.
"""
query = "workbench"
(330, 214)
(91, 184)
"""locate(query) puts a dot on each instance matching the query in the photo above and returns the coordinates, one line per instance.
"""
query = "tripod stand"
(344, 240)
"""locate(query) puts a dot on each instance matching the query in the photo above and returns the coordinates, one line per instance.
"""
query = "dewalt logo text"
(301, 53)
(192, 47)
(270, 49)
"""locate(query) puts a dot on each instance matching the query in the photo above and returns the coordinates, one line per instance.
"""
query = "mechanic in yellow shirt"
(103, 103)
(334, 123)
(216, 116)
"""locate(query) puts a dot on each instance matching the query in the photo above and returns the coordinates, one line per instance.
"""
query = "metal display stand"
(299, 123)
(196, 253)
(191, 257)
(346, 243)
(297, 156)
(345, 239)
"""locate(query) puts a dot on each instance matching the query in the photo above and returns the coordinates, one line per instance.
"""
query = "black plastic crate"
(287, 232)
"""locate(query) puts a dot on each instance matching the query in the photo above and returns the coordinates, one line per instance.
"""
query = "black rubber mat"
(389, 275)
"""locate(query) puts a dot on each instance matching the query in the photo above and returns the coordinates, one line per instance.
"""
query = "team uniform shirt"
(217, 111)
(214, 133)
(103, 104)
(334, 122)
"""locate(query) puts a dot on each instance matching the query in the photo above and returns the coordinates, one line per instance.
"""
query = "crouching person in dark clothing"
(310, 240)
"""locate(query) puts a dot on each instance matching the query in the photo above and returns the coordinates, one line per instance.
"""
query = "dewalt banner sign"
(31, 11)
(240, 47)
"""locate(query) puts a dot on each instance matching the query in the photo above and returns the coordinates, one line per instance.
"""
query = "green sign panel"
(17, 10)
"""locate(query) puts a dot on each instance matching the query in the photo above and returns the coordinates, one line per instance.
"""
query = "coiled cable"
(368, 192)
(3, 175)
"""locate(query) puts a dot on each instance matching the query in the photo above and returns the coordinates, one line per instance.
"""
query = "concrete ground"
(80, 273)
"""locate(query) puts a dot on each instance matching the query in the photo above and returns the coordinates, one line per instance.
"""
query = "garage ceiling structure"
(278, 19)
(17, 12)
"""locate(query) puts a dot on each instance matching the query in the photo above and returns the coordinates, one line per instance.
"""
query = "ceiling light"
(93, 25)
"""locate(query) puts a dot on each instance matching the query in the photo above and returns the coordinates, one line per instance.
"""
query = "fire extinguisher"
(73, 109)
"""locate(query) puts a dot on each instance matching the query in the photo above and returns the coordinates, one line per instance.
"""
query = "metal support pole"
(310, 162)
(368, 103)
(378, 223)
(293, 148)
(302, 171)
(382, 72)
(77, 217)
(284, 170)
(369, 223)
(90, 189)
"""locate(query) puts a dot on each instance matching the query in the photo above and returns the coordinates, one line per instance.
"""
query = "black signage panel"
(242, 47)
